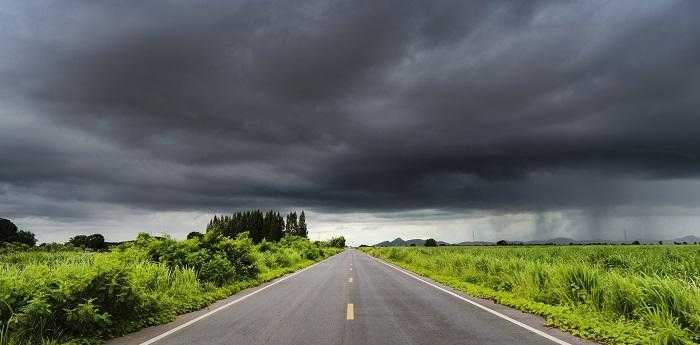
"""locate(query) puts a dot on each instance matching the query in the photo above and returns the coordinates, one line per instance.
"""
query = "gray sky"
(516, 120)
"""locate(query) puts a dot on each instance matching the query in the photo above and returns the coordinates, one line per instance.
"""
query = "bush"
(216, 269)
(63, 295)
(194, 235)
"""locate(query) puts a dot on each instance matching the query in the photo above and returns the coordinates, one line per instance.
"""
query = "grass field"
(70, 296)
(610, 293)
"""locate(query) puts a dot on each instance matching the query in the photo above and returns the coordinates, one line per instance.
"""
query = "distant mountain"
(556, 240)
(689, 239)
(474, 243)
(398, 242)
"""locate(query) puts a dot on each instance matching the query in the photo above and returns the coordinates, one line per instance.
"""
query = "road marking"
(201, 317)
(351, 268)
(350, 280)
(529, 328)
(351, 312)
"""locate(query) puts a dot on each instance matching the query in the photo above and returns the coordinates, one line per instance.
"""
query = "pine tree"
(260, 225)
(291, 227)
(302, 231)
(277, 227)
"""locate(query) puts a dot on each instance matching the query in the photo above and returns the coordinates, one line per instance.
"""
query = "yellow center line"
(351, 312)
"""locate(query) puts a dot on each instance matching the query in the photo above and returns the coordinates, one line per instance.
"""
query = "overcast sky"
(513, 119)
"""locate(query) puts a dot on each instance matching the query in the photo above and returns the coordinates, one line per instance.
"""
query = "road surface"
(350, 298)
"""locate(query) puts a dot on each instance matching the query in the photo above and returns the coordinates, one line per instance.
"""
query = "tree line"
(270, 225)
(9, 233)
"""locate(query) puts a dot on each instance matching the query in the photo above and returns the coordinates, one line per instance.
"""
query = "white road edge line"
(201, 317)
(529, 328)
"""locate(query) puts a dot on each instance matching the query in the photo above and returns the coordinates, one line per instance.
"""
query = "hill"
(399, 242)
(689, 239)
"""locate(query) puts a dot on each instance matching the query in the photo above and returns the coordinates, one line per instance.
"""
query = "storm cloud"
(348, 106)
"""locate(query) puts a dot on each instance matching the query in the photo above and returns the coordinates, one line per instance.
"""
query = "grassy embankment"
(69, 296)
(612, 294)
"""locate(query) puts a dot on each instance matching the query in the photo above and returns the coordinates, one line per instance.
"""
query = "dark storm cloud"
(346, 106)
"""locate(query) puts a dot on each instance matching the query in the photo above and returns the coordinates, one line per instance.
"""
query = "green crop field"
(610, 293)
(64, 295)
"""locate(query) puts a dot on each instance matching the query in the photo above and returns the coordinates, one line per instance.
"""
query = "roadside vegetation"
(73, 294)
(612, 294)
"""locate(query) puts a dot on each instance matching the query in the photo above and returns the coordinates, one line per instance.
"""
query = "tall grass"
(613, 294)
(71, 297)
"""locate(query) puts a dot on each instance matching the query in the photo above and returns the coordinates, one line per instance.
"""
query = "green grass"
(76, 297)
(611, 294)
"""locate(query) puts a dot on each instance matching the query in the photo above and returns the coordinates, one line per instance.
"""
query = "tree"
(301, 227)
(255, 225)
(26, 237)
(94, 241)
(10, 233)
(194, 234)
(78, 241)
(502, 243)
(291, 226)
(430, 243)
(277, 227)
(338, 242)
(268, 225)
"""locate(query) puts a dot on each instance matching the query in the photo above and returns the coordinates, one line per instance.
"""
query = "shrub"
(86, 319)
(217, 269)
(64, 295)
(194, 235)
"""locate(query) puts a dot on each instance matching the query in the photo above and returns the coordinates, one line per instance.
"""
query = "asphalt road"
(348, 299)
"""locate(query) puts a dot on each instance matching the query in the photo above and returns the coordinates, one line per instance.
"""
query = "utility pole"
(473, 235)
(625, 235)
